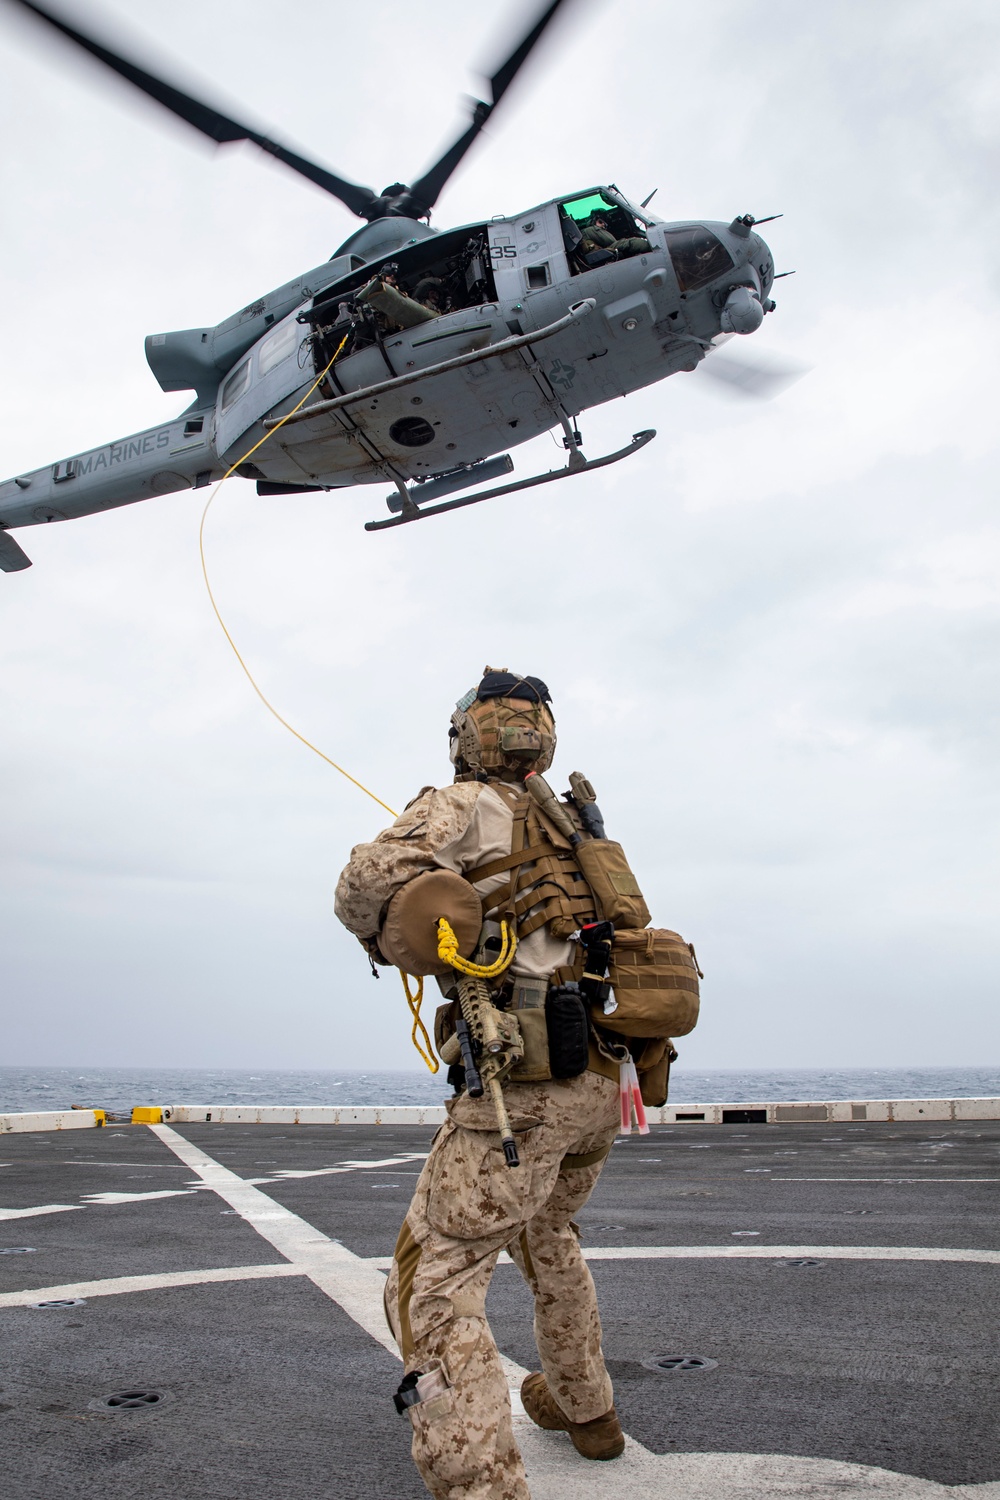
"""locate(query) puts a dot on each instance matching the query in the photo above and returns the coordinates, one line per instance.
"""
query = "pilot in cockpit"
(597, 236)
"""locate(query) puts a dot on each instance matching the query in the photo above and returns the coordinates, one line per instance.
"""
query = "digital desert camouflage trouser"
(468, 1206)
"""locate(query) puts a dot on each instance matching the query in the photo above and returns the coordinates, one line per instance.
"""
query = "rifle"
(500, 1046)
(488, 1040)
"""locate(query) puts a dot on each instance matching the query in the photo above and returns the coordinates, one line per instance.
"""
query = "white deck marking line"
(555, 1471)
(785, 1252)
(766, 1252)
(94, 1200)
(111, 1198)
(345, 1278)
(885, 1179)
(145, 1166)
(115, 1285)
(289, 1174)
(45, 1208)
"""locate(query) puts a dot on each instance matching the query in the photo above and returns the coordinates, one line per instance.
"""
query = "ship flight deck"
(800, 1309)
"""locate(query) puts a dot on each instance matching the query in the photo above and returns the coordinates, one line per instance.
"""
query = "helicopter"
(415, 356)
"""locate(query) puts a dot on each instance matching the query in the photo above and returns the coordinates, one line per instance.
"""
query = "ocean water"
(118, 1089)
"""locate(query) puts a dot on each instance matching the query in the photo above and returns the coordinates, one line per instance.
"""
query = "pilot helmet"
(503, 728)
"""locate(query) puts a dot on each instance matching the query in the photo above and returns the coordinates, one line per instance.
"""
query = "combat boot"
(602, 1438)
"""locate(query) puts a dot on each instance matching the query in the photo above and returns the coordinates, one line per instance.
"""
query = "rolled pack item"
(409, 935)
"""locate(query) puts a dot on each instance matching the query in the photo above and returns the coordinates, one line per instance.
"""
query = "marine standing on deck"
(522, 859)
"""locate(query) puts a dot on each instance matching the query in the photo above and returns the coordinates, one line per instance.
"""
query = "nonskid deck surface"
(237, 1270)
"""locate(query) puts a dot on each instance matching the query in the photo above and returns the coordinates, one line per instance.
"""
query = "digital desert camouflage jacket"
(456, 828)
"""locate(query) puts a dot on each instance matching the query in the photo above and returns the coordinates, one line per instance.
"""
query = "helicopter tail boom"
(174, 456)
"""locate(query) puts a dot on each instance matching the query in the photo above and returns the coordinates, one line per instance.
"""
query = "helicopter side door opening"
(422, 281)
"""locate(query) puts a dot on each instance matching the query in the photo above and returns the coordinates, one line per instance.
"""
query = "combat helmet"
(503, 728)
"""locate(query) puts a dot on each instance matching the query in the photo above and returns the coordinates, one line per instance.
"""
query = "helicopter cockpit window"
(596, 230)
(698, 256)
(236, 384)
(277, 347)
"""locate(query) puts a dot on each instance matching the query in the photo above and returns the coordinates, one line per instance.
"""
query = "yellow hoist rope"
(413, 1001)
(204, 573)
(448, 954)
(447, 941)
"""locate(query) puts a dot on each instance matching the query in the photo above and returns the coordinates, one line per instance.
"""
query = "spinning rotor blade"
(211, 122)
(763, 381)
(427, 189)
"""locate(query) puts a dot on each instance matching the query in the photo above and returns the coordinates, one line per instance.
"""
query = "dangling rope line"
(413, 1001)
(447, 942)
(204, 573)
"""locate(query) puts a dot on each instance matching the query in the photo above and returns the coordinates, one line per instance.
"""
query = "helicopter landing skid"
(577, 465)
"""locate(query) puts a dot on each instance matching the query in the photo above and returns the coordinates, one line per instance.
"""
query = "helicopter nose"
(742, 312)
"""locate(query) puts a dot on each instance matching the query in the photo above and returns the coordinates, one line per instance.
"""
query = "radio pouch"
(568, 1028)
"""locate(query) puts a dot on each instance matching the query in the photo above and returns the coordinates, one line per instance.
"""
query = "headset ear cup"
(549, 740)
(548, 754)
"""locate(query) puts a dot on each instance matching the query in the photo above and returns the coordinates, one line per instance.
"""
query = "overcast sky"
(771, 638)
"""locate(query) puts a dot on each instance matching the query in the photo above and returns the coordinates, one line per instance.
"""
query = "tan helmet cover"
(409, 936)
(504, 734)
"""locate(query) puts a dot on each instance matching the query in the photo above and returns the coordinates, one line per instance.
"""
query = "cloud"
(770, 637)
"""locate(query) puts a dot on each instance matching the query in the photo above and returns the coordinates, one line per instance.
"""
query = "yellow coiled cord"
(448, 954)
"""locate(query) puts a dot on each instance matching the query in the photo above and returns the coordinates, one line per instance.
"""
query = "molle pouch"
(568, 1027)
(444, 1024)
(653, 1059)
(607, 872)
(528, 999)
(654, 985)
(535, 1066)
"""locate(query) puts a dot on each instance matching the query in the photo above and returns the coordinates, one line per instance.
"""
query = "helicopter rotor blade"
(762, 380)
(427, 189)
(203, 117)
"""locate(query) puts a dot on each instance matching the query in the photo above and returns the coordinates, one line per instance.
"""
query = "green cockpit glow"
(581, 209)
